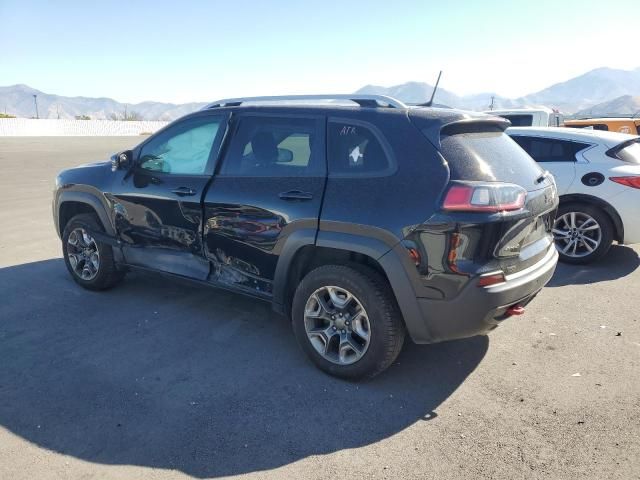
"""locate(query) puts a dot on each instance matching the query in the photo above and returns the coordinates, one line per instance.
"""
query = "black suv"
(360, 222)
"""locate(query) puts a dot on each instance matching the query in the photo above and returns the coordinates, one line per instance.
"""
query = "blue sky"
(201, 50)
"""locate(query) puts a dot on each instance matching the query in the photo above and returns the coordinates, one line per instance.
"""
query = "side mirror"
(121, 161)
(285, 155)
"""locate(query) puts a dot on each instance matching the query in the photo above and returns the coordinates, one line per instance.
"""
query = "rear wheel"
(89, 262)
(347, 321)
(583, 233)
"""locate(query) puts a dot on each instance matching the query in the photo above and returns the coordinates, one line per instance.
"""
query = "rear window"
(630, 153)
(519, 120)
(487, 155)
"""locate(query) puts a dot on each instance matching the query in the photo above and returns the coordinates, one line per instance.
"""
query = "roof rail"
(362, 100)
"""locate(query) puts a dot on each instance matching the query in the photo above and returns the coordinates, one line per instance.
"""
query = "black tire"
(107, 273)
(606, 229)
(387, 330)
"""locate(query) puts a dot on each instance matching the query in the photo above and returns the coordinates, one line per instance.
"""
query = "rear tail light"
(491, 279)
(633, 182)
(484, 197)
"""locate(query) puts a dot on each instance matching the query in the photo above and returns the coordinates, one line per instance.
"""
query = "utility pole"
(492, 102)
(35, 101)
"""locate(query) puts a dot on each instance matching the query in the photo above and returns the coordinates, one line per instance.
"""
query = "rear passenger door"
(556, 155)
(269, 185)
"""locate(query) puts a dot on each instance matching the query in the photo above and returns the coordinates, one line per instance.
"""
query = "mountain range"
(603, 91)
(596, 87)
(18, 100)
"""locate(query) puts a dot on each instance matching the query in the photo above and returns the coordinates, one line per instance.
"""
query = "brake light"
(491, 279)
(484, 197)
(633, 182)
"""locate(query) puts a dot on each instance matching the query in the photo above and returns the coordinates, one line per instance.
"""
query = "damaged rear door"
(269, 185)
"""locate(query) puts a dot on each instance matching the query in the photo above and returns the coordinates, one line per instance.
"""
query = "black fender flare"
(292, 245)
(88, 199)
(389, 257)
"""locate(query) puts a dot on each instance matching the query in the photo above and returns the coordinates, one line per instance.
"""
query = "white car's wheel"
(583, 233)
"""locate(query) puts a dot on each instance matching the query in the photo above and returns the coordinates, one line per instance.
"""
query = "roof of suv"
(579, 134)
(431, 119)
(340, 102)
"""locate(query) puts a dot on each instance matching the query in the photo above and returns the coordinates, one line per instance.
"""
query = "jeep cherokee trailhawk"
(357, 216)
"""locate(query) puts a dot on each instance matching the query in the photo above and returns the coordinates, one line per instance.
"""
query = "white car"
(530, 117)
(598, 178)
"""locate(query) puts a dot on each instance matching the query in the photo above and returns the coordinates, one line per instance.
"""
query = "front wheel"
(89, 262)
(347, 321)
(583, 233)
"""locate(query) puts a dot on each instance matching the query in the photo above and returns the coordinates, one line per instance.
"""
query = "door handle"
(184, 191)
(295, 195)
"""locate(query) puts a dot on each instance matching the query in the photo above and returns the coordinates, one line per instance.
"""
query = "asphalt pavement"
(158, 379)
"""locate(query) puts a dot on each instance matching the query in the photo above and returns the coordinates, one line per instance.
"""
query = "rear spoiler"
(434, 130)
(613, 152)
(469, 125)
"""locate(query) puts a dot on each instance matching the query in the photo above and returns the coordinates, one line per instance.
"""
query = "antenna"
(433, 94)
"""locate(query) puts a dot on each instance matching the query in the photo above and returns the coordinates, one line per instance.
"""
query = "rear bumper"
(477, 310)
(626, 204)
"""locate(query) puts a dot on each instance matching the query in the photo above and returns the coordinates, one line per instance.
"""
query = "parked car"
(531, 117)
(598, 178)
(630, 126)
(359, 222)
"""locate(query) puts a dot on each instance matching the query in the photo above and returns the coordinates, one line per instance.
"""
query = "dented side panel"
(246, 225)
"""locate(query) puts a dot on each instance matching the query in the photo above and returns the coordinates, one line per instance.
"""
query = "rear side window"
(549, 149)
(355, 149)
(630, 153)
(485, 154)
(519, 120)
(265, 146)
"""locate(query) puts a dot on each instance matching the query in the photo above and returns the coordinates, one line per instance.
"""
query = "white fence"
(26, 127)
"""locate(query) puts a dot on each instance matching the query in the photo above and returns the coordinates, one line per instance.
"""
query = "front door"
(270, 184)
(157, 204)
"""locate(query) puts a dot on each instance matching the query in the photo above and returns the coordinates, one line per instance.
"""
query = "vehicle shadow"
(619, 262)
(175, 376)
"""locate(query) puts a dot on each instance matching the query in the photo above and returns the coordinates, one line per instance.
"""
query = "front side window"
(550, 149)
(184, 148)
(265, 146)
(355, 150)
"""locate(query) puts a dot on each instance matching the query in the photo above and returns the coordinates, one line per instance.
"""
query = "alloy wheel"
(337, 325)
(577, 234)
(83, 254)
